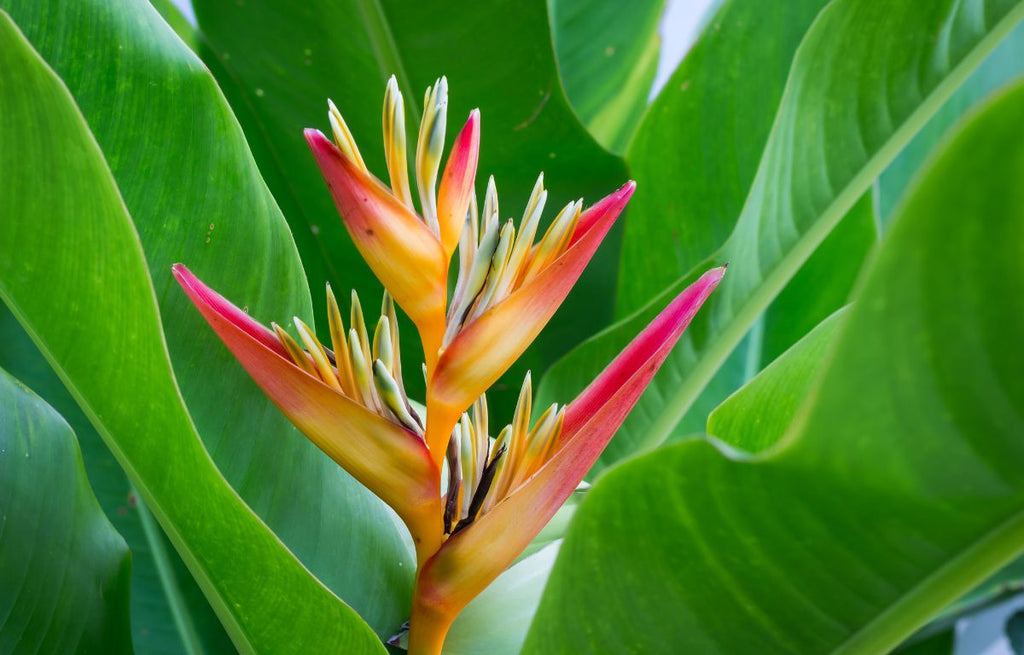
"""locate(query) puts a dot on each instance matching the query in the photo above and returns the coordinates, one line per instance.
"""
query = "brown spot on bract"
(369, 232)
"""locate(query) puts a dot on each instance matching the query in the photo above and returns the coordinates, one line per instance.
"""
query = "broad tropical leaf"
(697, 150)
(896, 486)
(79, 271)
(825, 149)
(169, 614)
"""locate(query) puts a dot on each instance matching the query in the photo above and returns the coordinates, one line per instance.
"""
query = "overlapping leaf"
(895, 486)
(78, 283)
(836, 130)
(608, 56)
(169, 614)
(64, 570)
(697, 150)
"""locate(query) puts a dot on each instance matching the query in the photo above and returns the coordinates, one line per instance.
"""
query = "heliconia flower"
(510, 283)
(516, 484)
(407, 252)
(348, 400)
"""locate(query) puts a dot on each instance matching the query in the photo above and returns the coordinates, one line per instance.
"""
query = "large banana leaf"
(895, 485)
(64, 570)
(497, 56)
(685, 130)
(77, 281)
(777, 393)
(836, 131)
(195, 195)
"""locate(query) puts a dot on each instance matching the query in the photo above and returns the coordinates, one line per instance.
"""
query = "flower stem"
(428, 627)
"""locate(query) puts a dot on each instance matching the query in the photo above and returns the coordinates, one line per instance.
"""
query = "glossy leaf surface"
(895, 487)
(169, 614)
(697, 150)
(824, 152)
(64, 570)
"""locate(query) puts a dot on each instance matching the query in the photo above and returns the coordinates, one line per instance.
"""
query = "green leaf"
(1005, 63)
(895, 488)
(195, 196)
(823, 284)
(1006, 583)
(78, 283)
(177, 22)
(608, 56)
(169, 614)
(836, 130)
(1001, 587)
(697, 150)
(278, 62)
(693, 168)
(775, 394)
(64, 570)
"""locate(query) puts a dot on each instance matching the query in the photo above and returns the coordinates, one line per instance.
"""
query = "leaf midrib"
(888, 628)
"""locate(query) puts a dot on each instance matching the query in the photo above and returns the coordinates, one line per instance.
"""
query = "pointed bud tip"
(318, 143)
(715, 274)
(185, 277)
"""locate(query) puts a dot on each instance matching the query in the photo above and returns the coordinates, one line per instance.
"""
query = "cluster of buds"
(471, 501)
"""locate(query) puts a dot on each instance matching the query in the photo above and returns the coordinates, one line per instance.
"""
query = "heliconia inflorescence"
(501, 486)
